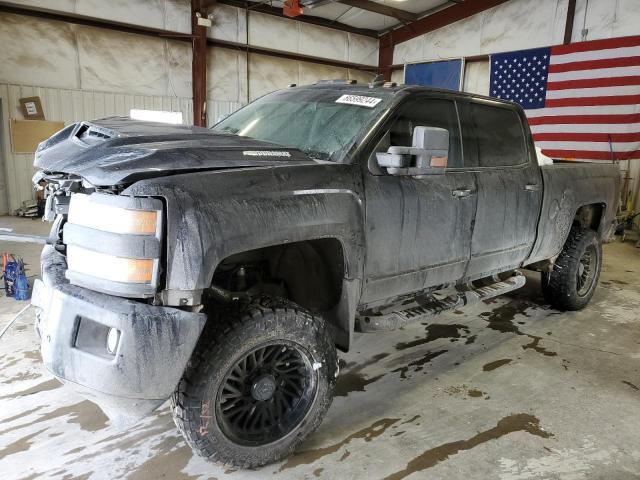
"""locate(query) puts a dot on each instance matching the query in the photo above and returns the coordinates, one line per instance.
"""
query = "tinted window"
(425, 112)
(497, 134)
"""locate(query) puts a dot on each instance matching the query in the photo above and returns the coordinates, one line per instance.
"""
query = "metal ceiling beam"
(402, 15)
(277, 12)
(440, 19)
(290, 55)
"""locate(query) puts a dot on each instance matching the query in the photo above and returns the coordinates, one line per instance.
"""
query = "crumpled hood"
(118, 150)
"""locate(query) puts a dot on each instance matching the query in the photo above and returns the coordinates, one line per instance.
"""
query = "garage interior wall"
(519, 25)
(83, 73)
(235, 77)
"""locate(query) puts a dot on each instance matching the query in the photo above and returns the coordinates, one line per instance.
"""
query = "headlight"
(102, 216)
(114, 243)
(109, 267)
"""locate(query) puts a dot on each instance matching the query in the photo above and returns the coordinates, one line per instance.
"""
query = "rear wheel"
(573, 280)
(257, 385)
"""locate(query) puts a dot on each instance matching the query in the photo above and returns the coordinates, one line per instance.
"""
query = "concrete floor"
(507, 390)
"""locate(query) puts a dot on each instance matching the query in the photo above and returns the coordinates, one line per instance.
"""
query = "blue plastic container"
(21, 288)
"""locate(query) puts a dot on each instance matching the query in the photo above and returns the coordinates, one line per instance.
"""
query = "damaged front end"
(103, 327)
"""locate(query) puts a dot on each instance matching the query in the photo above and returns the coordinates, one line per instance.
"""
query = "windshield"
(322, 123)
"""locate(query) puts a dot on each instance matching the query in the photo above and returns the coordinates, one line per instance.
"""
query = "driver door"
(417, 227)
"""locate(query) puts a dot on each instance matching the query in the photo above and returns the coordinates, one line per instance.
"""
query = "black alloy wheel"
(258, 383)
(266, 394)
(574, 278)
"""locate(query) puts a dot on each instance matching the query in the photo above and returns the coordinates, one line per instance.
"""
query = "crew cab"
(222, 268)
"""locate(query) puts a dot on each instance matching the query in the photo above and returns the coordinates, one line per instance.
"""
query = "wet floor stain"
(166, 461)
(465, 391)
(535, 345)
(491, 366)
(501, 318)
(85, 414)
(33, 355)
(20, 445)
(513, 423)
(418, 365)
(351, 378)
(367, 434)
(21, 377)
(10, 362)
(631, 385)
(26, 413)
(317, 472)
(41, 387)
(411, 420)
(475, 393)
(436, 331)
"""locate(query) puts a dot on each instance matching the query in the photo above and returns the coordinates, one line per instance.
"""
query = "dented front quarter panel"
(212, 215)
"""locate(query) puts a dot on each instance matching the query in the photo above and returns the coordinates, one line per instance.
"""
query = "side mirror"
(393, 160)
(428, 154)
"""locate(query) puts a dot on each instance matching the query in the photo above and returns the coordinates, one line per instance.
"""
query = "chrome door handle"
(463, 192)
(532, 187)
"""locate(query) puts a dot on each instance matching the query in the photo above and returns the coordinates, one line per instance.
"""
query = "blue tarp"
(443, 74)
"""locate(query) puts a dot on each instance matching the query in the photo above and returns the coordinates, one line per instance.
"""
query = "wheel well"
(309, 273)
(589, 216)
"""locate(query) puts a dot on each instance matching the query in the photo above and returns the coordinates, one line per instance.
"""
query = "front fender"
(212, 215)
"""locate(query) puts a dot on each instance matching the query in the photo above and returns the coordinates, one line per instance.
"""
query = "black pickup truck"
(223, 268)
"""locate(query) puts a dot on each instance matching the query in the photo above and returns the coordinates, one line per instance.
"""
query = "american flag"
(582, 99)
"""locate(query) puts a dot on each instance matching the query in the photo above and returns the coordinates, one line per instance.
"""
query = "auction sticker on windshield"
(359, 100)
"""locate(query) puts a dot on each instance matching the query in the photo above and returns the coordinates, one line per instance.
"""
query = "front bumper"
(154, 346)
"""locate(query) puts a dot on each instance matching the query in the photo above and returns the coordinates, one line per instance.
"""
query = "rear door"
(509, 186)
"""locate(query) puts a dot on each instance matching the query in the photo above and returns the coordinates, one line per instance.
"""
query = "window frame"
(467, 137)
(394, 113)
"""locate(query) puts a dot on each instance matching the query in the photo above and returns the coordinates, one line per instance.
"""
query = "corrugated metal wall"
(70, 106)
(80, 64)
(220, 109)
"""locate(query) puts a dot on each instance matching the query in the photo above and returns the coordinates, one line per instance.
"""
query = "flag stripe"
(591, 155)
(594, 92)
(594, 101)
(604, 128)
(587, 137)
(596, 45)
(605, 110)
(595, 55)
(593, 83)
(595, 64)
(591, 146)
(585, 119)
(595, 73)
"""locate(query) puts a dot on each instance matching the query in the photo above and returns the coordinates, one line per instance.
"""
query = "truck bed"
(567, 187)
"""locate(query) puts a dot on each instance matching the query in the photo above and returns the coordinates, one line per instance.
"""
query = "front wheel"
(573, 280)
(257, 386)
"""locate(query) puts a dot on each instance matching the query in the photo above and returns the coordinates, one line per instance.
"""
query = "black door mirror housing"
(428, 154)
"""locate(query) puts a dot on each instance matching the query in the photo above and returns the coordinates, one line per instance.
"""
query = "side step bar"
(393, 318)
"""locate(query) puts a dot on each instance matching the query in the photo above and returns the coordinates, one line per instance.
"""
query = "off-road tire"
(230, 336)
(560, 287)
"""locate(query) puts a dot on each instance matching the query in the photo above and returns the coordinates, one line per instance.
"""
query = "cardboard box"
(32, 108)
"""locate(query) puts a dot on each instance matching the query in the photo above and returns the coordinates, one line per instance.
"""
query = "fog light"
(113, 335)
